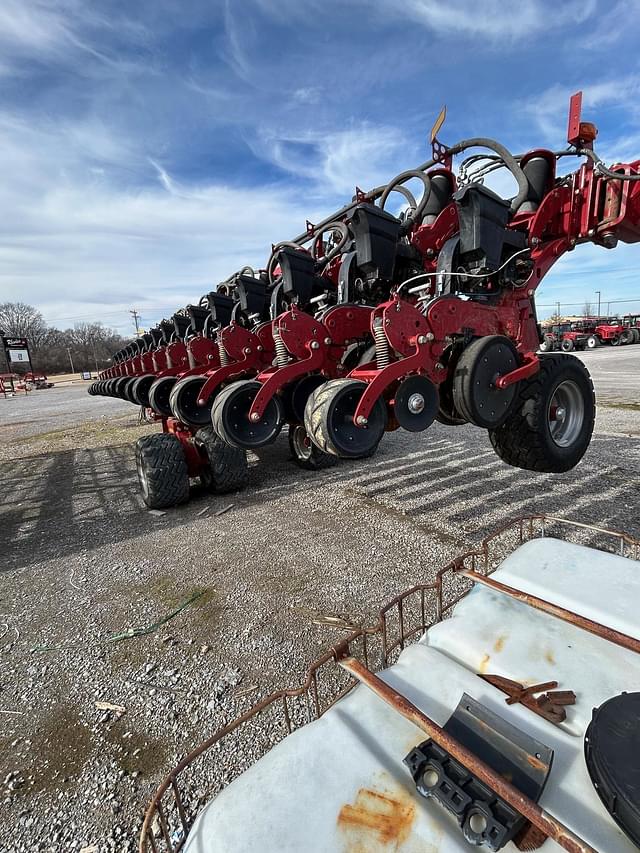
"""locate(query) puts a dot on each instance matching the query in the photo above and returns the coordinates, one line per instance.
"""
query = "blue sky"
(149, 149)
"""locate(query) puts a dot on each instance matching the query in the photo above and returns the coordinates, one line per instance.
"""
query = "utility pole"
(558, 311)
(135, 320)
(70, 359)
(598, 292)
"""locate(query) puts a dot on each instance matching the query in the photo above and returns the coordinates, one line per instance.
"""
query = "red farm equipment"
(369, 322)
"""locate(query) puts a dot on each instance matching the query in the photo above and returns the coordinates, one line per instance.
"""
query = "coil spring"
(383, 355)
(223, 355)
(282, 355)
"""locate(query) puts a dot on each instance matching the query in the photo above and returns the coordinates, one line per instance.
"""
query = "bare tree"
(587, 309)
(23, 321)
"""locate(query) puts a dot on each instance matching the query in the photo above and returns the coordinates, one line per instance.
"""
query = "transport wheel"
(139, 390)
(475, 395)
(162, 470)
(328, 420)
(552, 421)
(567, 345)
(627, 337)
(159, 395)
(592, 342)
(230, 416)
(304, 451)
(227, 469)
(183, 402)
(546, 344)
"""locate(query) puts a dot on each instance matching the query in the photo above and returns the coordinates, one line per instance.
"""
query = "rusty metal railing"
(404, 619)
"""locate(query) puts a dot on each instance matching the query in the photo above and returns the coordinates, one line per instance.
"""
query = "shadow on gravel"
(58, 504)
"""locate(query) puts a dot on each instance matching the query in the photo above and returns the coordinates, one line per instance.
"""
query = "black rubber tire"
(318, 413)
(567, 345)
(126, 389)
(636, 336)
(307, 455)
(627, 337)
(593, 341)
(159, 395)
(547, 344)
(162, 470)
(139, 390)
(227, 469)
(238, 395)
(471, 381)
(615, 342)
(183, 402)
(524, 439)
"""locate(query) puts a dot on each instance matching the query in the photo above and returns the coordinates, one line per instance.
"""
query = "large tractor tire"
(162, 470)
(627, 337)
(227, 469)
(593, 341)
(551, 424)
(546, 344)
(567, 345)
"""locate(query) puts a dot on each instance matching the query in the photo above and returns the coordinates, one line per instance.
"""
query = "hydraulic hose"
(603, 170)
(395, 183)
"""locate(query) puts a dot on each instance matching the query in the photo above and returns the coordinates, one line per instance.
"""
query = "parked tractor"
(370, 321)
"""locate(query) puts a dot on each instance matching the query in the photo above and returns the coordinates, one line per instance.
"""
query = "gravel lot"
(84, 560)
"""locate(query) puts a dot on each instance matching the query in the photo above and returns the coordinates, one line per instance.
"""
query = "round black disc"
(612, 753)
(475, 394)
(159, 394)
(347, 438)
(119, 386)
(416, 403)
(232, 416)
(184, 402)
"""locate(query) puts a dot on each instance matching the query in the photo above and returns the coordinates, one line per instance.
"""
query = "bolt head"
(430, 336)
(415, 404)
(247, 350)
(439, 365)
(255, 417)
(422, 339)
(327, 341)
(314, 344)
(361, 420)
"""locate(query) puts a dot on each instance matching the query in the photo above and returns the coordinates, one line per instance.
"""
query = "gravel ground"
(84, 560)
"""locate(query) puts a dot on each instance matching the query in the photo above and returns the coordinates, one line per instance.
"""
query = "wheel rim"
(566, 414)
(302, 444)
(142, 477)
(234, 416)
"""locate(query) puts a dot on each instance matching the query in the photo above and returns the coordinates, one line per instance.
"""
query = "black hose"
(396, 182)
(602, 169)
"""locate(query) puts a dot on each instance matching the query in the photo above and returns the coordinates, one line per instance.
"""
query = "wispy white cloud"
(493, 19)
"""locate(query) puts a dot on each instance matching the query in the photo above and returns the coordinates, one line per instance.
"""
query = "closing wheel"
(127, 388)
(139, 389)
(305, 453)
(416, 403)
(230, 416)
(475, 394)
(159, 394)
(299, 395)
(118, 386)
(552, 420)
(183, 402)
(328, 419)
(227, 469)
(162, 470)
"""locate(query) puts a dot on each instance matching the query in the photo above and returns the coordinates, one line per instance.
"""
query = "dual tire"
(551, 422)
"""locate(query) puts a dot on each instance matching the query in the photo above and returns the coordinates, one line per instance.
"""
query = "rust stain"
(483, 663)
(536, 763)
(499, 644)
(386, 818)
(549, 656)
